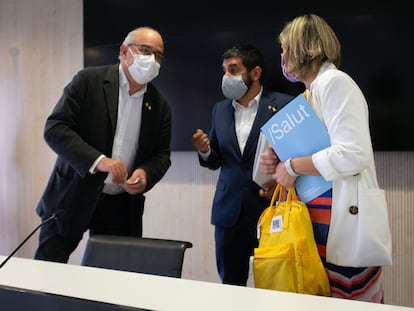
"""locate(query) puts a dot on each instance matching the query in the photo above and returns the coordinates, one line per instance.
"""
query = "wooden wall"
(40, 51)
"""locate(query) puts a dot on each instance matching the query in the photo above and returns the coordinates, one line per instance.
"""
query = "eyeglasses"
(147, 50)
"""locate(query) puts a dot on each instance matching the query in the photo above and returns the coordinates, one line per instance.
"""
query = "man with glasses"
(111, 131)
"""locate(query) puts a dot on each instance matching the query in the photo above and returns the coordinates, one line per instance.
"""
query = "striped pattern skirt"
(364, 284)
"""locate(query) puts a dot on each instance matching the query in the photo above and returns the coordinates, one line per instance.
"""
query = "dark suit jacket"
(235, 185)
(82, 127)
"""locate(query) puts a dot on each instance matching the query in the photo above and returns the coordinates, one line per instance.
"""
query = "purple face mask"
(290, 77)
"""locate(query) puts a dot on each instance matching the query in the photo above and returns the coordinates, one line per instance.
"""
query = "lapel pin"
(274, 109)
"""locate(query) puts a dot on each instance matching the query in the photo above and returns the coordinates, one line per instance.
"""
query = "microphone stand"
(24, 241)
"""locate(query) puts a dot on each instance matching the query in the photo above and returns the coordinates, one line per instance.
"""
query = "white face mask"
(144, 69)
(233, 87)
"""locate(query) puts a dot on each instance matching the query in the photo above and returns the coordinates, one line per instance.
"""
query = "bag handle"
(276, 197)
(278, 193)
(291, 195)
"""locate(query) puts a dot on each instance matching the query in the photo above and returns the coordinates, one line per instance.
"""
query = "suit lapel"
(263, 114)
(111, 90)
(150, 109)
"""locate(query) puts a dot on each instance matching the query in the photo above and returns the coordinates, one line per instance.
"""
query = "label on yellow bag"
(287, 258)
(276, 224)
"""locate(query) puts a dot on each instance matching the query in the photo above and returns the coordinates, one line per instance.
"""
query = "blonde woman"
(311, 55)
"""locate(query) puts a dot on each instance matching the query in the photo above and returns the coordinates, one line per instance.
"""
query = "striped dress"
(365, 284)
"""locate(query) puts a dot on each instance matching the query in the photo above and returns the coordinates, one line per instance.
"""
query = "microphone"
(56, 215)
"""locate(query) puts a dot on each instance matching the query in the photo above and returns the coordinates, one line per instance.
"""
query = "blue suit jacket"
(235, 185)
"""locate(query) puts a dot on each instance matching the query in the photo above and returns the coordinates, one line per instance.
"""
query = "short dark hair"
(250, 55)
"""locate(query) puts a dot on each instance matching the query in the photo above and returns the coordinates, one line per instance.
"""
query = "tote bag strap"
(298, 233)
(291, 195)
(277, 197)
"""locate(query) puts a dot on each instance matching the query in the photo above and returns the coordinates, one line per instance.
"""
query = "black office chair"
(134, 254)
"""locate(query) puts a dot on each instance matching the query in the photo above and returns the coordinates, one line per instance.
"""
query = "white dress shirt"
(127, 130)
(243, 118)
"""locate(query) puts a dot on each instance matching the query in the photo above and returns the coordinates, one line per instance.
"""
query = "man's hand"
(116, 168)
(267, 189)
(200, 141)
(137, 182)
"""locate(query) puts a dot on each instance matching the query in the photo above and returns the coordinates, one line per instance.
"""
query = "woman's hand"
(283, 177)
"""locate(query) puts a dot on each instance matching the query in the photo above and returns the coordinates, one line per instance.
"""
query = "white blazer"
(342, 107)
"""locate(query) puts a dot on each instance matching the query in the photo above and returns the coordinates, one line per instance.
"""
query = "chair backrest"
(134, 254)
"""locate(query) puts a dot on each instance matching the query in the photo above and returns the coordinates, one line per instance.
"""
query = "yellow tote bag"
(287, 257)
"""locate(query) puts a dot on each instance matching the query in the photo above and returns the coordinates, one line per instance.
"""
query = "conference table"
(27, 284)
